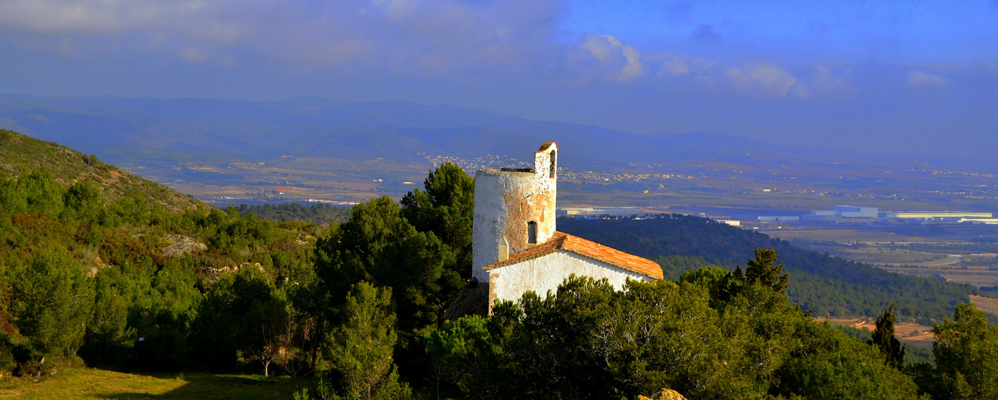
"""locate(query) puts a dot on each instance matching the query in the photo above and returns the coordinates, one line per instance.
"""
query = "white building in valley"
(516, 247)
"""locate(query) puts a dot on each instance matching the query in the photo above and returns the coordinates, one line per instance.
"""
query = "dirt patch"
(986, 304)
(10, 393)
(913, 334)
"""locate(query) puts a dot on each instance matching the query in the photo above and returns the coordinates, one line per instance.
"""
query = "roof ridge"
(561, 241)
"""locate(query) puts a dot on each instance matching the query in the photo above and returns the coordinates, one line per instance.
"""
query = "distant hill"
(818, 282)
(320, 214)
(121, 128)
(20, 154)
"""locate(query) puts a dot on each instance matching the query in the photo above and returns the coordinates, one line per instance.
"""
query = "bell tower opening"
(554, 163)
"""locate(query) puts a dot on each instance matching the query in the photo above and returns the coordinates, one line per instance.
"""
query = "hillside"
(99, 262)
(20, 154)
(824, 284)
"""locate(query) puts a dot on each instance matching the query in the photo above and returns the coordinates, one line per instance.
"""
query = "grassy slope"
(20, 154)
(89, 383)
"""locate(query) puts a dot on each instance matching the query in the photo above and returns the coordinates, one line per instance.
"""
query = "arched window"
(531, 232)
(554, 162)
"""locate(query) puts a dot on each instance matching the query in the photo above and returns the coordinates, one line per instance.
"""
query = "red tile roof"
(586, 248)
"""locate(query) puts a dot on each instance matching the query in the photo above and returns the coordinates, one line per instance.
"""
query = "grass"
(91, 383)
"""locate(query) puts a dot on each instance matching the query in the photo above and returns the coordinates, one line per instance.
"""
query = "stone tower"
(514, 209)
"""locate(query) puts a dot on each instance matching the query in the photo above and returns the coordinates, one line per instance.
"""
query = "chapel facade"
(516, 246)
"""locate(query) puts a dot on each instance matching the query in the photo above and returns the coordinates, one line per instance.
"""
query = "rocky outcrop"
(94, 266)
(180, 244)
(213, 273)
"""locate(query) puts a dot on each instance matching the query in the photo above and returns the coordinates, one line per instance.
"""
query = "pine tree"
(763, 270)
(966, 350)
(884, 339)
(360, 350)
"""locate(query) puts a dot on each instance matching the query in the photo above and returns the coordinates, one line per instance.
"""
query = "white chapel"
(516, 246)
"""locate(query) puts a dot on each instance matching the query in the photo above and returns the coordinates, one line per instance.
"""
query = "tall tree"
(762, 269)
(446, 208)
(360, 350)
(884, 339)
(966, 350)
(51, 302)
(378, 245)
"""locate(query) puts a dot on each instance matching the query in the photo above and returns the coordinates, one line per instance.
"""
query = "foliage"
(763, 271)
(21, 155)
(884, 338)
(966, 352)
(360, 350)
(315, 213)
(50, 304)
(592, 341)
(378, 245)
(84, 270)
(240, 317)
(463, 351)
(446, 208)
(822, 284)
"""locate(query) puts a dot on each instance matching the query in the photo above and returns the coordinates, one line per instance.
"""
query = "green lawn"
(89, 383)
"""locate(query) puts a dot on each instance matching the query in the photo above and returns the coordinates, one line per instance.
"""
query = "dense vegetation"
(364, 305)
(823, 284)
(113, 280)
(322, 214)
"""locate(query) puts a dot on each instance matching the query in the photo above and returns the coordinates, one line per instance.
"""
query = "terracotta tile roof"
(586, 248)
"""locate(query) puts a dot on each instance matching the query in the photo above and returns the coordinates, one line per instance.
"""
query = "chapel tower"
(514, 209)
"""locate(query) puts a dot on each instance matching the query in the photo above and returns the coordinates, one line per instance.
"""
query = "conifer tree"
(763, 270)
(446, 208)
(966, 350)
(884, 339)
(360, 350)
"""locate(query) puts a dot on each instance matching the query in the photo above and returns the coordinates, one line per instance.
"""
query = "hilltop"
(20, 154)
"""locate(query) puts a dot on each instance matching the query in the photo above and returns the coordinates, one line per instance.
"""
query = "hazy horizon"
(917, 79)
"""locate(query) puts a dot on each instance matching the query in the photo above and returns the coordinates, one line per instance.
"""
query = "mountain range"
(121, 129)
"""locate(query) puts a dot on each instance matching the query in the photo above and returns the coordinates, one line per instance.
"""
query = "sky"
(892, 77)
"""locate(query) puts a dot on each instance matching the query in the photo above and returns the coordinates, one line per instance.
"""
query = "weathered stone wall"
(505, 202)
(545, 273)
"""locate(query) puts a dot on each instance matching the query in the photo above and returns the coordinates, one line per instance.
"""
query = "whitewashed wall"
(545, 273)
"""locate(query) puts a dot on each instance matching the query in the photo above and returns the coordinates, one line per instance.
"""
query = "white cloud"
(753, 78)
(677, 64)
(348, 34)
(925, 79)
(762, 80)
(622, 61)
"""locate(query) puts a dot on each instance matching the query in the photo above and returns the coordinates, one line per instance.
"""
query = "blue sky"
(911, 77)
